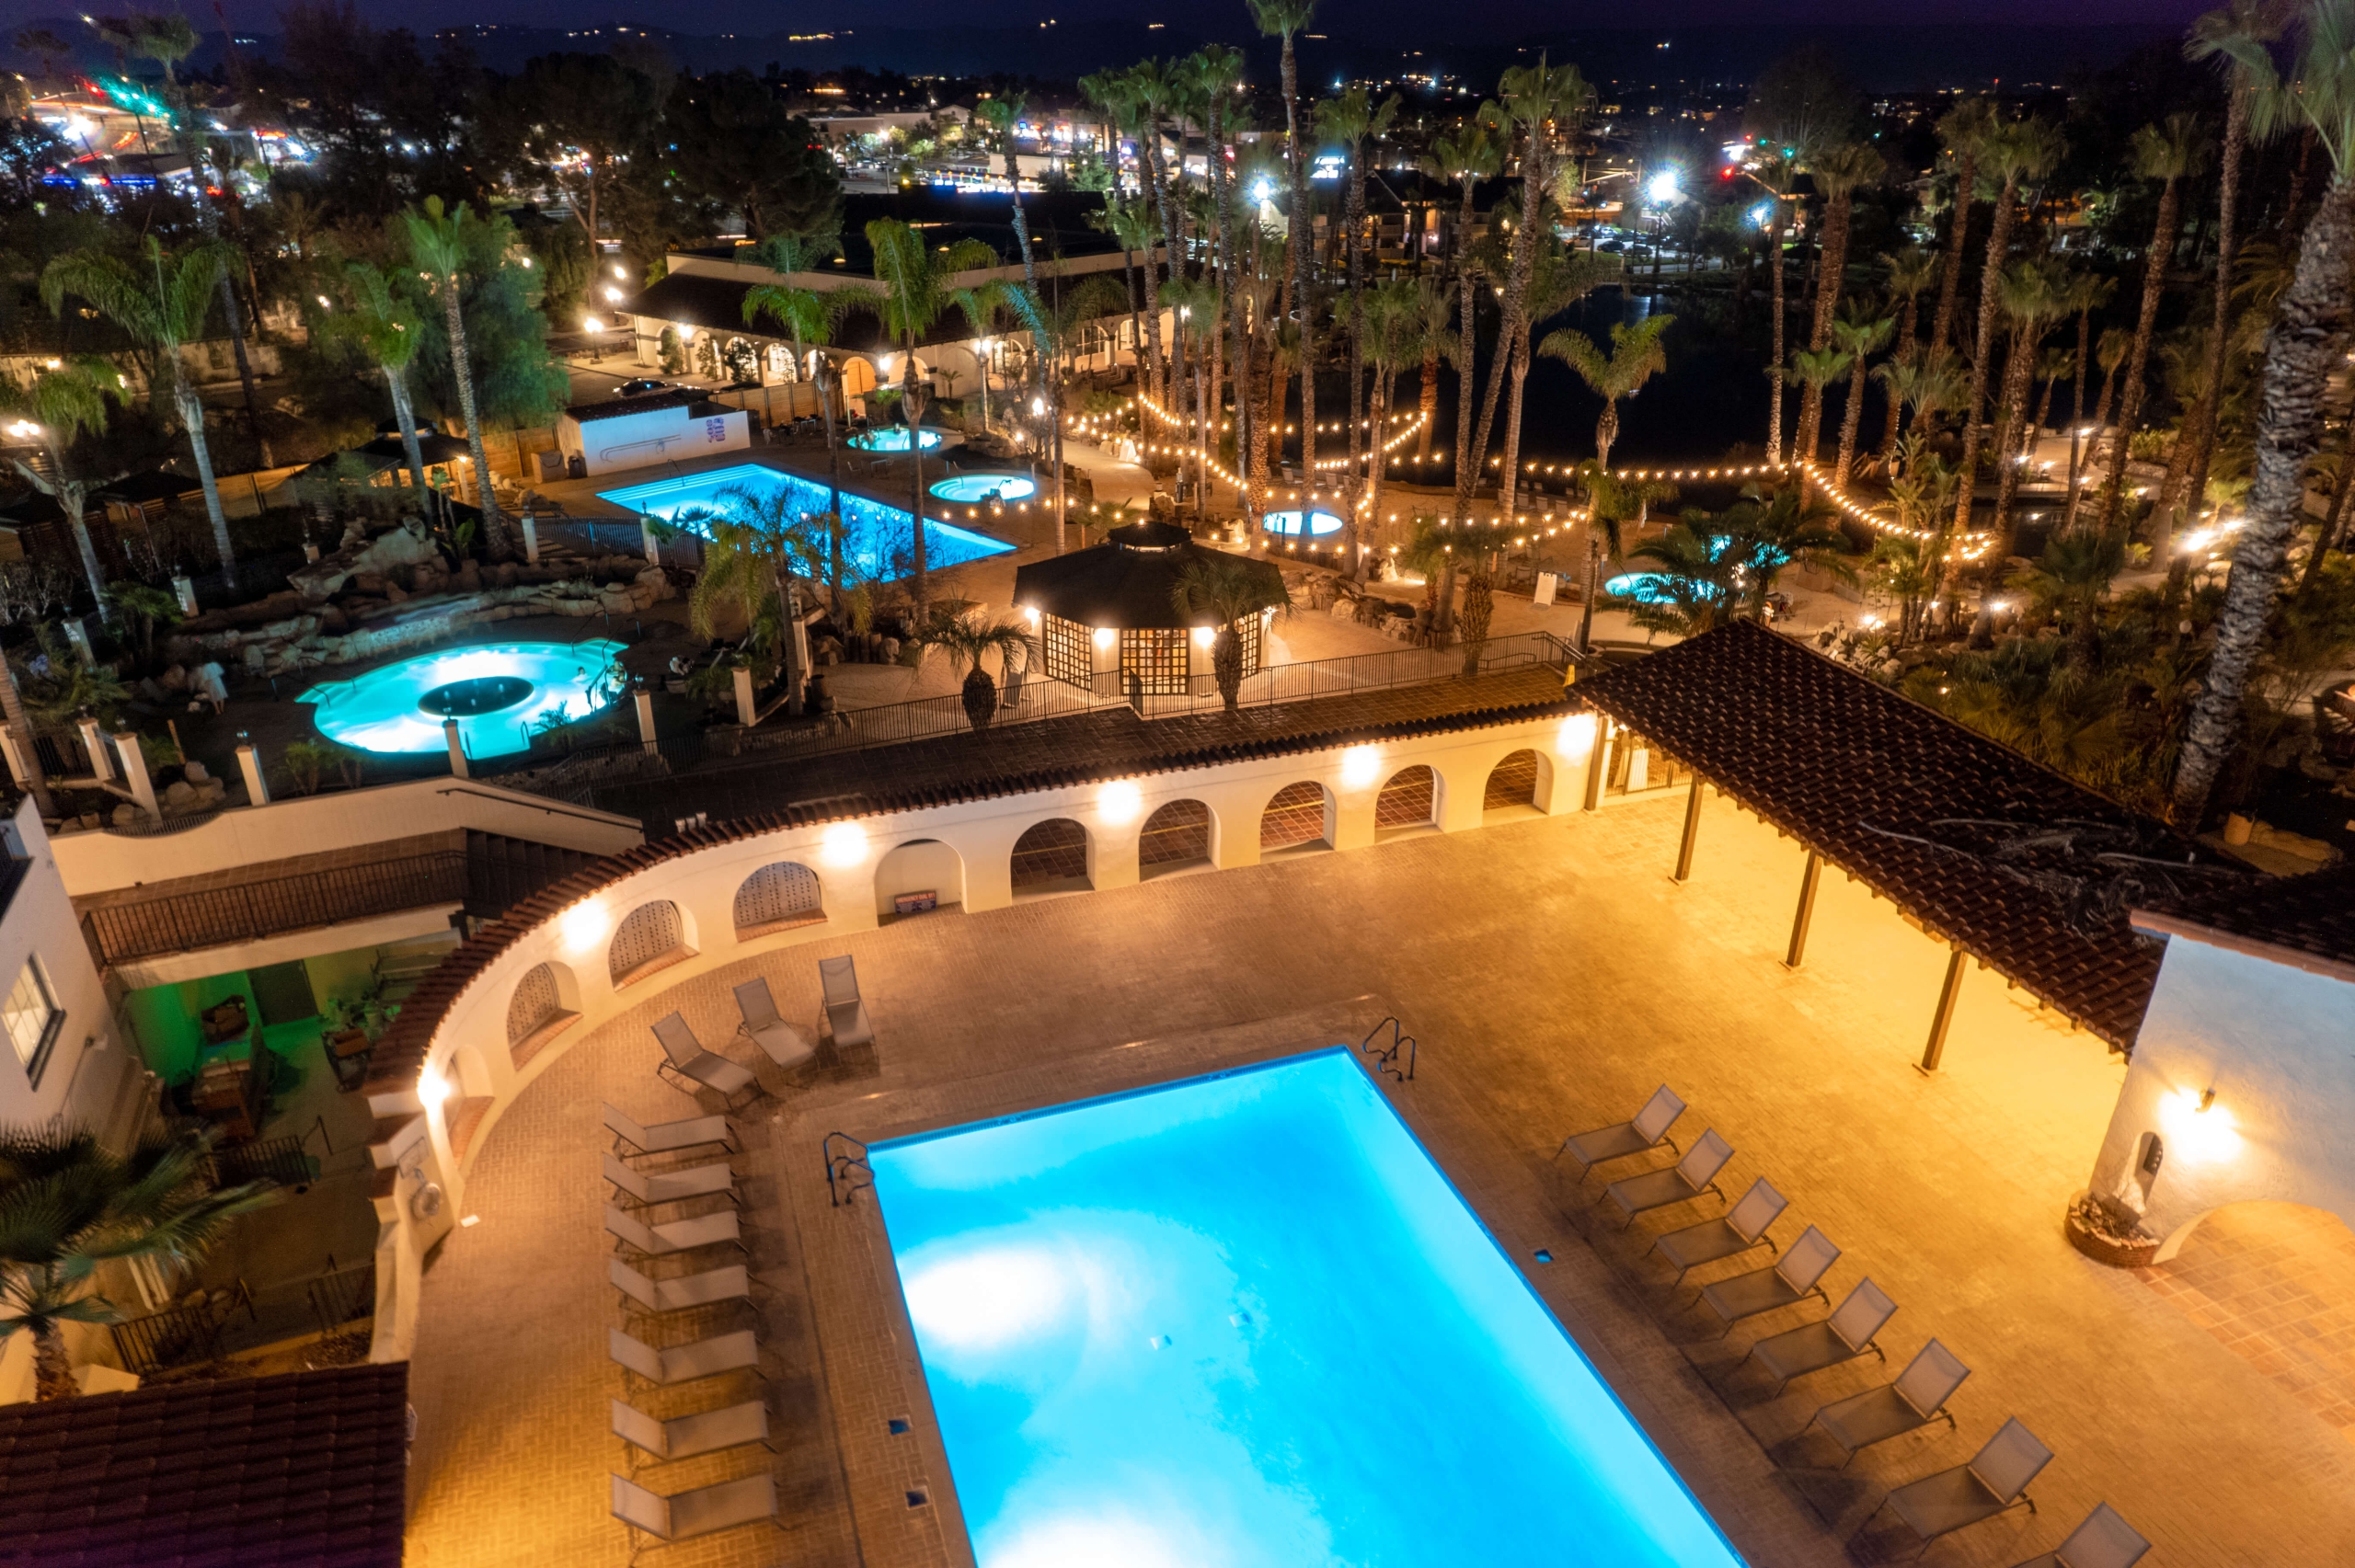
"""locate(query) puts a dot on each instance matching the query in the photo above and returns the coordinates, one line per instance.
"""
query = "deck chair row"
(692, 1065)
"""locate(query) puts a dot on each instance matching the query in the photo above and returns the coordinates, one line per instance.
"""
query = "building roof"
(2021, 868)
(147, 485)
(1129, 581)
(701, 300)
(2307, 922)
(645, 403)
(263, 1472)
(746, 802)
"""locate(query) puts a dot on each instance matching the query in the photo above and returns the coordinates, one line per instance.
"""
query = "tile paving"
(1553, 974)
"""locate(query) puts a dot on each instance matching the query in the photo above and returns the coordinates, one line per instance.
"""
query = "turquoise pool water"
(1648, 587)
(498, 694)
(874, 532)
(1318, 523)
(1245, 1321)
(973, 489)
(891, 438)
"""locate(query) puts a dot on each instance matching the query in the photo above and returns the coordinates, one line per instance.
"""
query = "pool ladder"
(1386, 1058)
(847, 1167)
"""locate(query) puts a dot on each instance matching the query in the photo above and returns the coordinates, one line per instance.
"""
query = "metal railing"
(213, 917)
(1387, 1059)
(178, 1335)
(278, 1160)
(343, 1296)
(847, 1167)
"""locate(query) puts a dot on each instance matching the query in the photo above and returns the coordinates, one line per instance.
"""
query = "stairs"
(502, 871)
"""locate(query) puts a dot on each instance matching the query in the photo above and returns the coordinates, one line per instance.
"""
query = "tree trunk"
(192, 415)
(53, 1366)
(397, 384)
(1303, 262)
(2298, 362)
(20, 725)
(494, 528)
(69, 500)
(1907, 319)
(1480, 605)
(1157, 370)
(1508, 490)
(1353, 242)
(1999, 238)
(2019, 374)
(1516, 300)
(2336, 519)
(1467, 478)
(1951, 279)
(1776, 366)
(1607, 432)
(1827, 293)
(1851, 419)
(2138, 359)
(1426, 406)
(1022, 242)
(919, 586)
(2203, 427)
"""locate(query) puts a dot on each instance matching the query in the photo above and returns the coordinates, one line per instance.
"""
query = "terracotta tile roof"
(2307, 920)
(1049, 754)
(2023, 868)
(307, 1469)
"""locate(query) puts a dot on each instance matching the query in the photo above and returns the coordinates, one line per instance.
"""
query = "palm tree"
(162, 304)
(1963, 128)
(1772, 535)
(66, 403)
(1635, 356)
(2052, 368)
(810, 318)
(1471, 154)
(956, 629)
(1839, 170)
(1393, 330)
(1814, 370)
(382, 327)
(1228, 590)
(1435, 340)
(2168, 153)
(1610, 504)
(1930, 382)
(2032, 295)
(1693, 575)
(1559, 280)
(1152, 90)
(2088, 292)
(999, 112)
(1286, 19)
(1911, 272)
(2299, 355)
(2028, 150)
(1353, 118)
(442, 243)
(2070, 581)
(915, 283)
(1859, 335)
(756, 538)
(1777, 174)
(67, 1204)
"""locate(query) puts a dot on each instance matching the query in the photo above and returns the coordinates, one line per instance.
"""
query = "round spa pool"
(891, 438)
(499, 695)
(972, 489)
(1292, 525)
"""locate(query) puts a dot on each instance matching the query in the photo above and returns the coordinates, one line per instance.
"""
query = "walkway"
(1554, 975)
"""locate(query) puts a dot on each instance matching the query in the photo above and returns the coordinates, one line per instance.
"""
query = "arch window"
(1294, 818)
(1513, 782)
(537, 1013)
(1051, 856)
(1177, 834)
(777, 895)
(1409, 800)
(651, 936)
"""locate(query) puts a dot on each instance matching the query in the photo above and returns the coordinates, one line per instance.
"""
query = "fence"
(213, 917)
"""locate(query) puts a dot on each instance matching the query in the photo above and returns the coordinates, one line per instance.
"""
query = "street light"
(1664, 188)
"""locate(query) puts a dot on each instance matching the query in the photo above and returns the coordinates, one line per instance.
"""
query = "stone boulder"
(399, 548)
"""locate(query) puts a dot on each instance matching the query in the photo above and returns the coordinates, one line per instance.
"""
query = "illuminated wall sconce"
(1120, 802)
(1360, 766)
(1106, 636)
(843, 844)
(583, 925)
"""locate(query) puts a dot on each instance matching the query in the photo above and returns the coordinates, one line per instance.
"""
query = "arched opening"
(1050, 858)
(1408, 803)
(2271, 1281)
(858, 376)
(653, 937)
(776, 898)
(545, 1004)
(1513, 782)
(918, 878)
(1174, 837)
(1299, 818)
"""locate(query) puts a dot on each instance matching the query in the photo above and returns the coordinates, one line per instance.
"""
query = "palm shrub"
(955, 629)
(1228, 590)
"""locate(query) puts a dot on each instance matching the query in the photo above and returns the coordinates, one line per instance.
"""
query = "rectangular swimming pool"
(877, 540)
(1244, 1321)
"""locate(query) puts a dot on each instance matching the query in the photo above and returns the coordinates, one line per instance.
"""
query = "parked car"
(640, 387)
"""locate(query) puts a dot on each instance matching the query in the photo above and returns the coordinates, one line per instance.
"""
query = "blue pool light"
(891, 438)
(1289, 523)
(972, 490)
(873, 532)
(499, 695)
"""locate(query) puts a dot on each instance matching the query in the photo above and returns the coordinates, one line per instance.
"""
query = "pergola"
(1113, 608)
(1991, 853)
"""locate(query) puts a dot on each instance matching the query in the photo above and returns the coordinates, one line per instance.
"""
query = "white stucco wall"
(82, 1078)
(2277, 1043)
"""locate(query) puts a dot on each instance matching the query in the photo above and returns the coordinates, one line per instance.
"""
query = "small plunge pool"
(499, 695)
(1294, 526)
(972, 490)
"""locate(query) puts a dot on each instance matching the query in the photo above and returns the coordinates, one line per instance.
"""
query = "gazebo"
(1111, 611)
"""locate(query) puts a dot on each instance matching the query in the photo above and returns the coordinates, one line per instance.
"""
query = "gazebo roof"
(1126, 582)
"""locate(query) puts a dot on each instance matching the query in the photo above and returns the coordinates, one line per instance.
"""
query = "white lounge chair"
(669, 1138)
(1849, 1333)
(687, 1057)
(730, 1283)
(782, 1043)
(677, 1235)
(1688, 1178)
(1796, 1276)
(688, 1435)
(1917, 1398)
(671, 1186)
(685, 1515)
(1994, 1481)
(846, 1012)
(683, 1363)
(2104, 1541)
(1729, 1234)
(1648, 1130)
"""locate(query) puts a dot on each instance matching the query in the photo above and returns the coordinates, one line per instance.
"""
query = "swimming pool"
(498, 694)
(1245, 1321)
(978, 487)
(873, 532)
(891, 438)
(1318, 524)
(1651, 588)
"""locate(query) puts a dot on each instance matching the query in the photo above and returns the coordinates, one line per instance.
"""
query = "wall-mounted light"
(1204, 637)
(432, 1088)
(1118, 802)
(583, 925)
(1360, 765)
(1106, 636)
(843, 844)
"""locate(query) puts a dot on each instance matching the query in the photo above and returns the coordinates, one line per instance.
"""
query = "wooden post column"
(1806, 915)
(1948, 993)
(1598, 761)
(1692, 831)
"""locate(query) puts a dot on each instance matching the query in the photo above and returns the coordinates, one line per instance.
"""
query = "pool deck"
(1553, 974)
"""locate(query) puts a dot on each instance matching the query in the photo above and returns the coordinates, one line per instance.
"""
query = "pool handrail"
(844, 1167)
(1386, 1059)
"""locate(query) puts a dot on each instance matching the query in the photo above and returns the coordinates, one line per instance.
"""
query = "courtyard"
(1553, 974)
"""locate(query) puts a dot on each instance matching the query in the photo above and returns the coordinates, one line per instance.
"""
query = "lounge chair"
(669, 1137)
(688, 1435)
(846, 1012)
(1796, 1276)
(1648, 1131)
(2104, 1541)
(670, 1187)
(1993, 1482)
(729, 1284)
(1917, 1398)
(783, 1044)
(1738, 1231)
(685, 1515)
(683, 1363)
(677, 1235)
(688, 1059)
(1849, 1333)
(1688, 1178)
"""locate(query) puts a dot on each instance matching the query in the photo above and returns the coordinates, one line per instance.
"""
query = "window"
(33, 1019)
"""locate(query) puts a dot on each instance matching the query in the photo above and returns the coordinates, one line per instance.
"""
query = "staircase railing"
(847, 1167)
(1387, 1059)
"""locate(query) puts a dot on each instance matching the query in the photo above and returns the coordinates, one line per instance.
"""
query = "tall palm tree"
(66, 403)
(1777, 174)
(2032, 295)
(1635, 356)
(2088, 292)
(1911, 272)
(1395, 329)
(1286, 19)
(1962, 128)
(810, 318)
(381, 325)
(2011, 155)
(442, 244)
(1156, 92)
(1772, 534)
(755, 541)
(161, 303)
(67, 1204)
(1354, 119)
(2298, 357)
(1859, 335)
(2109, 356)
(1470, 154)
(1435, 341)
(1839, 170)
(1229, 590)
(1814, 368)
(2169, 153)
(1559, 280)
(966, 636)
(999, 112)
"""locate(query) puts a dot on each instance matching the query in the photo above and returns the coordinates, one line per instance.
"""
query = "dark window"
(1051, 853)
(1178, 832)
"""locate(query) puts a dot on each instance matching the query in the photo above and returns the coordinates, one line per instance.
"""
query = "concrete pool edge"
(867, 1344)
